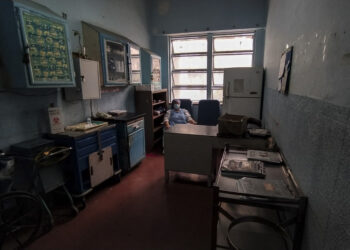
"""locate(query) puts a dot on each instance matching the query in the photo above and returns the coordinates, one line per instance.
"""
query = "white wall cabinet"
(87, 77)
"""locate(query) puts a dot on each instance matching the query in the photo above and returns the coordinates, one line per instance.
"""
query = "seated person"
(177, 115)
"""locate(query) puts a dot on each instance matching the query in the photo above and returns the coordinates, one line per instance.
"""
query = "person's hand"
(167, 125)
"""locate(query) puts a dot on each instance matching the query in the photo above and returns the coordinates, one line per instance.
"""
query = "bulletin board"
(47, 48)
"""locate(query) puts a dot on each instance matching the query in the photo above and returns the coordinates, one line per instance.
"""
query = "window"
(191, 65)
(189, 58)
(135, 65)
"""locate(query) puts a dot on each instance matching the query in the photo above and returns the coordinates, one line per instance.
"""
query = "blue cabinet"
(111, 51)
(131, 139)
(85, 144)
(136, 146)
(151, 69)
(34, 46)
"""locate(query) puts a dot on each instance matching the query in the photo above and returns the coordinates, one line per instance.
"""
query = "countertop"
(190, 129)
(124, 117)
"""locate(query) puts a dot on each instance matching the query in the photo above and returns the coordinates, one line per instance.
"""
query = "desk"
(284, 197)
(189, 148)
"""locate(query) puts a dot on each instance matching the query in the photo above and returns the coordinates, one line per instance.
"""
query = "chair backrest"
(208, 112)
(185, 104)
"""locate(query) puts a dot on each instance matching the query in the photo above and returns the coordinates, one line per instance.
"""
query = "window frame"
(135, 47)
(210, 86)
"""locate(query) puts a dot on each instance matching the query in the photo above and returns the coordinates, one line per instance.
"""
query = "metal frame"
(297, 206)
(103, 42)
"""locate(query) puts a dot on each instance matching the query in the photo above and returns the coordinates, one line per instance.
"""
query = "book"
(273, 157)
(243, 168)
(258, 132)
(271, 188)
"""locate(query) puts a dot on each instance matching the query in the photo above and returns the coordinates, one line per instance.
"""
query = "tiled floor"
(141, 212)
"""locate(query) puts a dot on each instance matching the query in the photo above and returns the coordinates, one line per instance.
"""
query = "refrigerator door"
(243, 82)
(242, 106)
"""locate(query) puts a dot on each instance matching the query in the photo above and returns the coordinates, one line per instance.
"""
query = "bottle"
(88, 121)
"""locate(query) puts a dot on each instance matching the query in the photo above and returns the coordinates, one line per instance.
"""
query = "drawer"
(86, 141)
(106, 134)
(135, 125)
(86, 150)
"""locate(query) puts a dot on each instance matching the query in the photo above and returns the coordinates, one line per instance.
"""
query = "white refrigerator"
(242, 91)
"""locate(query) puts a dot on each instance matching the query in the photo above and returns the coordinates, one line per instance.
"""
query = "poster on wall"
(284, 71)
(47, 44)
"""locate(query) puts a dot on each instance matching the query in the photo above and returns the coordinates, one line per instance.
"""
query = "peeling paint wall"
(312, 124)
(319, 32)
(24, 116)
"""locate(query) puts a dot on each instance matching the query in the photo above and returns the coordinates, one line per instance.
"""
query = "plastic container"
(232, 125)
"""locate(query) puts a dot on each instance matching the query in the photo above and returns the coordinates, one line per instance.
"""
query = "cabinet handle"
(111, 161)
(91, 170)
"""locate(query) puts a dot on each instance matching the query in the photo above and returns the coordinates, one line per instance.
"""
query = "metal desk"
(294, 202)
(189, 148)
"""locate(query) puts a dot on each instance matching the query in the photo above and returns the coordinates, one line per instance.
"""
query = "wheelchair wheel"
(21, 216)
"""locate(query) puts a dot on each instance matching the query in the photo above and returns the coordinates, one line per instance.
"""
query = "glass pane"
(135, 63)
(217, 94)
(136, 77)
(190, 78)
(190, 62)
(233, 43)
(115, 61)
(155, 63)
(232, 61)
(134, 51)
(190, 45)
(218, 78)
(193, 94)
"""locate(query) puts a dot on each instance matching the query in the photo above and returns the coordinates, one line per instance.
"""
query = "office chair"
(208, 112)
(185, 104)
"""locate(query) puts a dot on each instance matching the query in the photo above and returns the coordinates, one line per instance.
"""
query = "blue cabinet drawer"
(136, 125)
(108, 134)
(87, 150)
(86, 141)
(104, 135)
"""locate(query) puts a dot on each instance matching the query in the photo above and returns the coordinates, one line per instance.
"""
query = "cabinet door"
(136, 146)
(101, 166)
(90, 87)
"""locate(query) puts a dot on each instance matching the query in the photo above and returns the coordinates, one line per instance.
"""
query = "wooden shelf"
(157, 128)
(157, 103)
(157, 116)
(157, 140)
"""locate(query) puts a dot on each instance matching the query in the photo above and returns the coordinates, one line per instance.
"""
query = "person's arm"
(166, 119)
(189, 117)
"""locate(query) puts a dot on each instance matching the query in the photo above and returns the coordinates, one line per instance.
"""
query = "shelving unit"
(147, 102)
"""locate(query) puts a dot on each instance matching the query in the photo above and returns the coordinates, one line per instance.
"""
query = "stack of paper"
(236, 168)
(266, 156)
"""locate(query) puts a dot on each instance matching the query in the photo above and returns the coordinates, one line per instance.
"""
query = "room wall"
(24, 116)
(182, 16)
(311, 124)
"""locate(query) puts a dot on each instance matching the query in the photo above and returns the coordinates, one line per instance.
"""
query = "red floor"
(140, 212)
